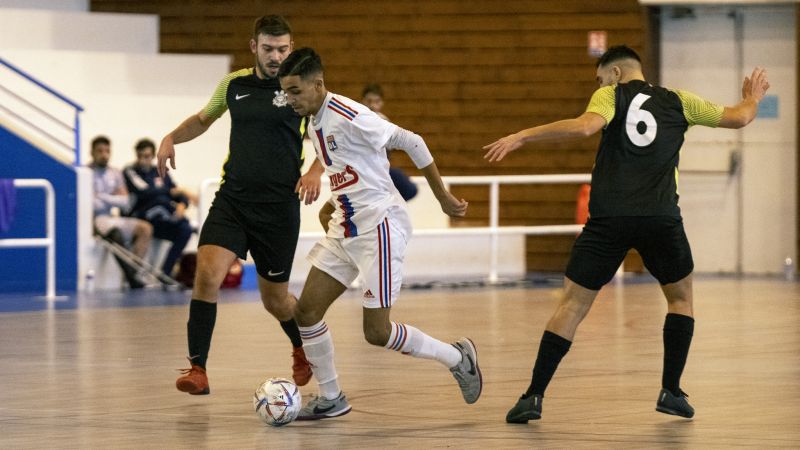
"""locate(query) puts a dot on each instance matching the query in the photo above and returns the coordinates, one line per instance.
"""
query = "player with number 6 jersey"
(636, 169)
(633, 204)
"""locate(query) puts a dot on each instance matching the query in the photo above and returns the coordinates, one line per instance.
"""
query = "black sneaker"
(526, 409)
(668, 403)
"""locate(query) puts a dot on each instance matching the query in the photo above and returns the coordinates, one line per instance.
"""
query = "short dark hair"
(100, 140)
(271, 26)
(617, 53)
(145, 143)
(372, 88)
(304, 62)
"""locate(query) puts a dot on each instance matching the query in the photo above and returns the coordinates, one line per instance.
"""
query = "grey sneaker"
(668, 403)
(467, 372)
(526, 409)
(321, 408)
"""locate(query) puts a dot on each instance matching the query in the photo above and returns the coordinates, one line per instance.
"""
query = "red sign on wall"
(598, 43)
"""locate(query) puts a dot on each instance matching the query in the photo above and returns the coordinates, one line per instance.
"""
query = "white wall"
(131, 96)
(51, 5)
(78, 30)
(700, 54)
(770, 157)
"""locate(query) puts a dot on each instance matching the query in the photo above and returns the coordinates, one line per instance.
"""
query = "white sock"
(318, 346)
(410, 341)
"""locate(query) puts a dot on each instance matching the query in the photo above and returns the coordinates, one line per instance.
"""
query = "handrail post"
(77, 139)
(494, 222)
(51, 238)
(49, 241)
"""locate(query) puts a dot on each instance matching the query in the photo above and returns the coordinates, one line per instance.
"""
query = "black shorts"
(601, 247)
(268, 230)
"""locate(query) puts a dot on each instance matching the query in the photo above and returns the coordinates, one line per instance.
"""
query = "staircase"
(110, 66)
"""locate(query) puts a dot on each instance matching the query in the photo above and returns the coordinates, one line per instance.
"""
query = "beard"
(266, 70)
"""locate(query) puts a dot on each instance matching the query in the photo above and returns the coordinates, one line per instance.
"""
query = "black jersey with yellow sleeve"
(266, 141)
(636, 167)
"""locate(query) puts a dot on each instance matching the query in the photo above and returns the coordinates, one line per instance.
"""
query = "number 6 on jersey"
(635, 116)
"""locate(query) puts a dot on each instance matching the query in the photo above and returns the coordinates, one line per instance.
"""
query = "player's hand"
(166, 151)
(452, 206)
(308, 187)
(498, 149)
(755, 86)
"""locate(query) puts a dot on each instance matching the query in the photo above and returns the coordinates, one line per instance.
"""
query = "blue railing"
(75, 128)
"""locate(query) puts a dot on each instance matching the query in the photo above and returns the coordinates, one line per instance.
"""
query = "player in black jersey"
(256, 207)
(633, 204)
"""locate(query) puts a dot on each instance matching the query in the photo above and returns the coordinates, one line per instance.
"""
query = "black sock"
(202, 316)
(291, 330)
(552, 348)
(678, 331)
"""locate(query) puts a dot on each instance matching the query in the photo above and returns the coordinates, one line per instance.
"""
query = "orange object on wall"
(582, 206)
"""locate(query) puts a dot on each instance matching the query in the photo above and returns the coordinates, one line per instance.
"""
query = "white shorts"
(126, 225)
(376, 255)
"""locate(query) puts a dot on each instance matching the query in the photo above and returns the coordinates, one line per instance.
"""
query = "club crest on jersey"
(281, 99)
(331, 143)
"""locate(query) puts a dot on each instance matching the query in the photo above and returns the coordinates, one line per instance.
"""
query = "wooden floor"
(103, 377)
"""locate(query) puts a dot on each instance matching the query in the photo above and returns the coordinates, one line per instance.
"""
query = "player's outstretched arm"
(754, 88)
(189, 129)
(308, 186)
(582, 126)
(417, 150)
(451, 206)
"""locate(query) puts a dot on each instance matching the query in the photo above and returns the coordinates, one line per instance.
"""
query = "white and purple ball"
(277, 401)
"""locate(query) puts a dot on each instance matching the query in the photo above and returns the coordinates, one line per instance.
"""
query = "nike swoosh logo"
(318, 410)
(239, 97)
(270, 273)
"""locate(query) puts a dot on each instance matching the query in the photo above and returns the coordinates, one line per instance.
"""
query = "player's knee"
(376, 335)
(206, 280)
(280, 307)
(306, 315)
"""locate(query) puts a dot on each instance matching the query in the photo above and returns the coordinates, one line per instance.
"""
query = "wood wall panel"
(461, 73)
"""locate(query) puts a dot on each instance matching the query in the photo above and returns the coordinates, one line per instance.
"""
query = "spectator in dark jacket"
(159, 201)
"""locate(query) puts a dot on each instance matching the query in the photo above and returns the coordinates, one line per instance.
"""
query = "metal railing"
(494, 230)
(75, 127)
(49, 241)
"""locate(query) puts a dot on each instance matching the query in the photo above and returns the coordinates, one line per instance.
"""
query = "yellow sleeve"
(217, 106)
(699, 111)
(603, 103)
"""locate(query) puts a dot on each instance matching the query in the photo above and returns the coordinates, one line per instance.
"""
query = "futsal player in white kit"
(367, 234)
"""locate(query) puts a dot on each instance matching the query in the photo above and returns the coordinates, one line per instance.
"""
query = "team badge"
(331, 143)
(281, 99)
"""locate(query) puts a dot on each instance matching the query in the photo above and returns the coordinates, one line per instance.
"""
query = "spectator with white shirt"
(111, 201)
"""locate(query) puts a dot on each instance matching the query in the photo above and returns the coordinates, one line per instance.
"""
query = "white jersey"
(350, 141)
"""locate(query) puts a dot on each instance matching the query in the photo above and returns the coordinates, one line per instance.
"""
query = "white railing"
(48, 241)
(494, 229)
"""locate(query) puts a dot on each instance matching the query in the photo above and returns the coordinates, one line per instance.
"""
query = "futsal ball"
(277, 401)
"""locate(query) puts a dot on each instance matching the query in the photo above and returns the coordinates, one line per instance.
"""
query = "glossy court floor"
(98, 372)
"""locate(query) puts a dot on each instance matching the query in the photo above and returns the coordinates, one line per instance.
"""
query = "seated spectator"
(158, 201)
(111, 194)
(372, 98)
